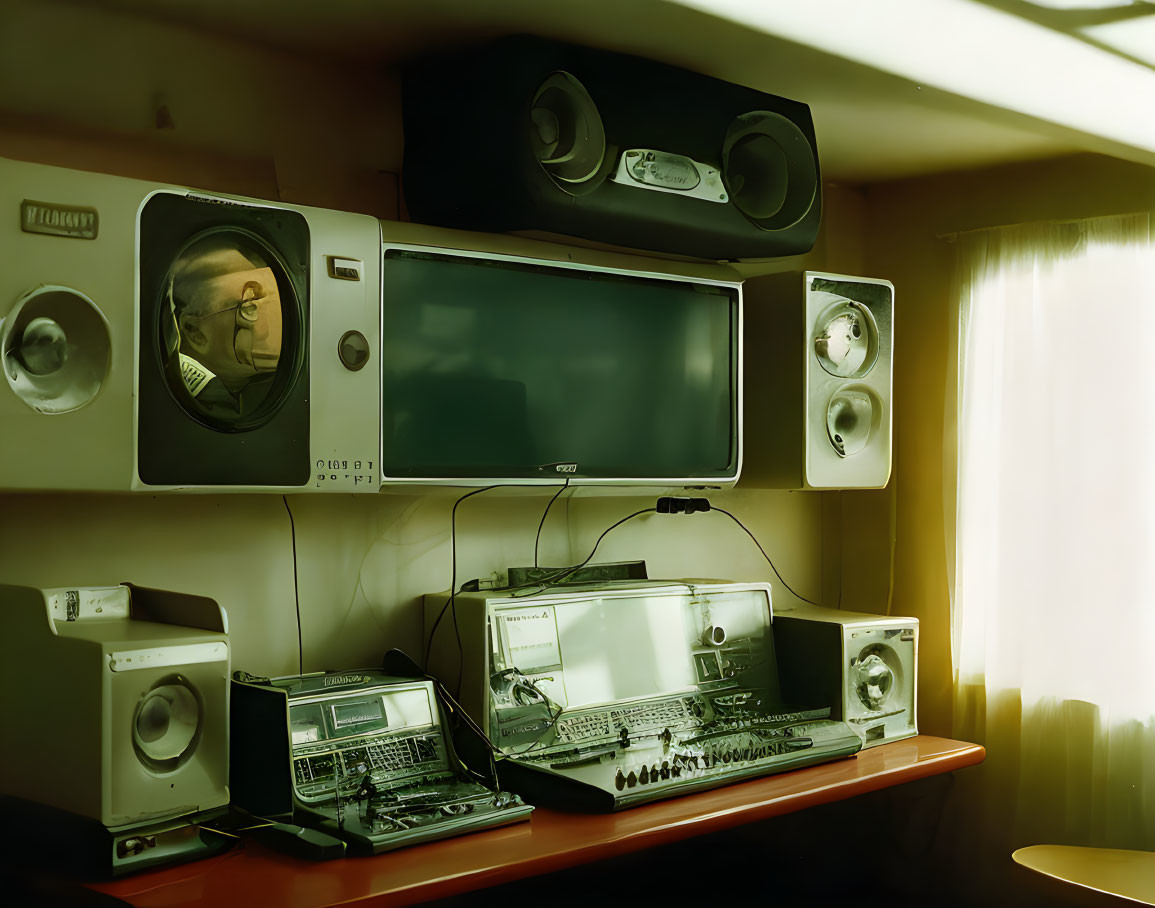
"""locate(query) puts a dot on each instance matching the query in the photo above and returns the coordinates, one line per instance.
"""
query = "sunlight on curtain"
(1054, 581)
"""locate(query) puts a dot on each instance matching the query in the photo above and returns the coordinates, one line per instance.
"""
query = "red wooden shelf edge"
(550, 841)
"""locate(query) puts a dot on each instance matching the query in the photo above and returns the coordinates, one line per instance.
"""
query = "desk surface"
(1127, 874)
(252, 875)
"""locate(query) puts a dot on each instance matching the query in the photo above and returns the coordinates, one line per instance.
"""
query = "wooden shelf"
(252, 875)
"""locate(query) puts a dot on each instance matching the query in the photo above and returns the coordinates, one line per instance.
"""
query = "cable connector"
(670, 505)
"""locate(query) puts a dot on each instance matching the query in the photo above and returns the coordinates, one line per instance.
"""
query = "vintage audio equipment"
(121, 695)
(530, 134)
(157, 337)
(511, 359)
(364, 757)
(819, 398)
(866, 664)
(606, 696)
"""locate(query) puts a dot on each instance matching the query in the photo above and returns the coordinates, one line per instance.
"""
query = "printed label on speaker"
(59, 220)
(663, 171)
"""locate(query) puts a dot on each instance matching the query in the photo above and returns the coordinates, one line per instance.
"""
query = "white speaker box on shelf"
(154, 337)
(864, 666)
(118, 698)
(818, 398)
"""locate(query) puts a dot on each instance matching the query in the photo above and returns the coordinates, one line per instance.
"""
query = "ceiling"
(872, 125)
(1125, 28)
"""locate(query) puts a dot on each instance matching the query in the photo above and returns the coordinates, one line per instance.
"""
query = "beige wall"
(906, 220)
(99, 90)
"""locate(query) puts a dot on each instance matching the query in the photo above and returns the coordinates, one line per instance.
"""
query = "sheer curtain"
(1053, 604)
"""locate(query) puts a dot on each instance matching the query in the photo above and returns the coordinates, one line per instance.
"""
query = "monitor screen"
(497, 369)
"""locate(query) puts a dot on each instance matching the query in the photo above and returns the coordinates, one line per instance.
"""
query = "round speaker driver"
(873, 681)
(166, 725)
(846, 339)
(769, 169)
(566, 130)
(849, 420)
(56, 349)
(876, 675)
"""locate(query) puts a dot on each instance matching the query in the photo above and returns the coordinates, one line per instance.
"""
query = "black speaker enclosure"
(474, 149)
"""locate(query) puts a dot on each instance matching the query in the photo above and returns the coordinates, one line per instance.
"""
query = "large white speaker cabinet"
(118, 701)
(818, 396)
(155, 337)
(865, 666)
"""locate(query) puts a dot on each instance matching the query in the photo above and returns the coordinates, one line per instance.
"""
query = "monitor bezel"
(723, 481)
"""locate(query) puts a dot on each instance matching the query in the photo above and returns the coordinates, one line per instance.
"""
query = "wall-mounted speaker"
(155, 337)
(530, 134)
(864, 666)
(817, 411)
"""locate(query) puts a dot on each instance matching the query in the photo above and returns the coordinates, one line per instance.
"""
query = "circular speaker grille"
(876, 676)
(566, 130)
(56, 349)
(853, 415)
(769, 169)
(846, 339)
(166, 726)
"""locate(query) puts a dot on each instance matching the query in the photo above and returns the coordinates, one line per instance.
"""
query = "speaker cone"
(876, 674)
(566, 131)
(56, 349)
(846, 339)
(769, 169)
(851, 417)
(166, 725)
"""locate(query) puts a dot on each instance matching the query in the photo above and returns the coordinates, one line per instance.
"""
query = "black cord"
(453, 591)
(296, 589)
(536, 741)
(762, 550)
(545, 514)
(560, 575)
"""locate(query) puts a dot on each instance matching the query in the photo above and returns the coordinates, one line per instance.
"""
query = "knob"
(353, 350)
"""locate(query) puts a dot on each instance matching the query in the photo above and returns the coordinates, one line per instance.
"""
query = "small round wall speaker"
(56, 349)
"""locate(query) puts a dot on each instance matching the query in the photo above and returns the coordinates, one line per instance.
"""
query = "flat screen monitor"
(503, 368)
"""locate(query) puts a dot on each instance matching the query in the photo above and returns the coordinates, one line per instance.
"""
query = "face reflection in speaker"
(566, 131)
(223, 324)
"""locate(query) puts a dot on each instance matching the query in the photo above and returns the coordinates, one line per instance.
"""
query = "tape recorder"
(123, 711)
(864, 664)
(365, 757)
(158, 337)
(609, 695)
